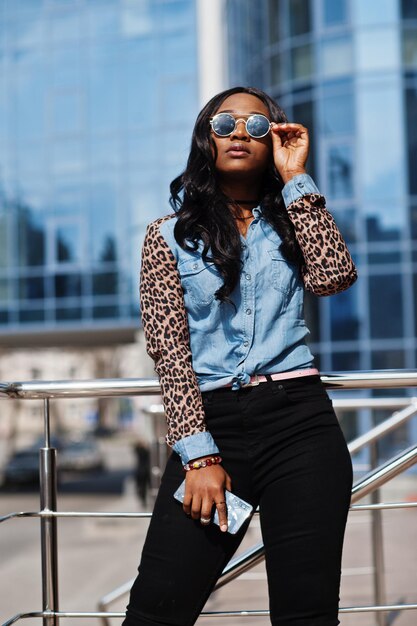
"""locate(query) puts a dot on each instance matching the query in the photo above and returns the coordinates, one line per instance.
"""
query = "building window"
(411, 137)
(103, 210)
(274, 20)
(345, 361)
(299, 17)
(68, 243)
(334, 13)
(381, 158)
(104, 97)
(344, 315)
(105, 312)
(415, 302)
(31, 316)
(337, 110)
(388, 359)
(386, 294)
(373, 12)
(336, 57)
(279, 68)
(67, 286)
(31, 288)
(347, 221)
(409, 9)
(339, 169)
(384, 222)
(4, 290)
(413, 226)
(303, 113)
(377, 49)
(105, 283)
(302, 67)
(312, 316)
(409, 51)
(383, 257)
(5, 242)
(68, 314)
(66, 108)
(31, 236)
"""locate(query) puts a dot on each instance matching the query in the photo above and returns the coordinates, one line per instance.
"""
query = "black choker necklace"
(246, 201)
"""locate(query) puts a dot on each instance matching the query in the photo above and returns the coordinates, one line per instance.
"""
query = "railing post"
(377, 545)
(49, 543)
(158, 450)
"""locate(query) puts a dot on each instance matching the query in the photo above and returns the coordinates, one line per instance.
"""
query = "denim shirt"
(265, 334)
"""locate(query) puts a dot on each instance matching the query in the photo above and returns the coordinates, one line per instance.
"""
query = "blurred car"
(22, 468)
(80, 456)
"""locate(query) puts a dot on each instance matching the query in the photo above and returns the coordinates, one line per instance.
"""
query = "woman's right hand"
(203, 488)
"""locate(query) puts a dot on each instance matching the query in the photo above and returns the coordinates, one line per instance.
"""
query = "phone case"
(238, 510)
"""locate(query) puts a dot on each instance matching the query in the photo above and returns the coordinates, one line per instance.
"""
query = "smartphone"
(238, 510)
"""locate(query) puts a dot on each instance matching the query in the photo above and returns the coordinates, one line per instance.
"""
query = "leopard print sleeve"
(165, 326)
(328, 267)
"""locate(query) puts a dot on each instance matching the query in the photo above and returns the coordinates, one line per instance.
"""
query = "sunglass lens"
(257, 126)
(223, 124)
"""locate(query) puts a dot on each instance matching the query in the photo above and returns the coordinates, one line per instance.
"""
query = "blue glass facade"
(97, 102)
(348, 71)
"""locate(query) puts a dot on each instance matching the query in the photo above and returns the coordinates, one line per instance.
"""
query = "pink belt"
(260, 378)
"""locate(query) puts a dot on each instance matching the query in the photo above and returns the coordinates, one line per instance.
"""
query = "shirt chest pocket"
(200, 280)
(285, 276)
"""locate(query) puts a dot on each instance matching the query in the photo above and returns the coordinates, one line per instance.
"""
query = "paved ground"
(97, 555)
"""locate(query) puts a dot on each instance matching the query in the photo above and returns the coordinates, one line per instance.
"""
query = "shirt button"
(248, 276)
(246, 343)
(248, 311)
(244, 246)
(195, 266)
(300, 184)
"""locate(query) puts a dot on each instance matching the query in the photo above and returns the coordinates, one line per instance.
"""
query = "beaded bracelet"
(212, 460)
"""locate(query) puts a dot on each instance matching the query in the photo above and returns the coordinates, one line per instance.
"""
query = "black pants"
(283, 447)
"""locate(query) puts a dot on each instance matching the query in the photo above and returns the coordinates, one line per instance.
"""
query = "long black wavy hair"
(205, 212)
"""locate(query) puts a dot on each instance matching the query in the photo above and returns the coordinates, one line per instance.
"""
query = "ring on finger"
(205, 520)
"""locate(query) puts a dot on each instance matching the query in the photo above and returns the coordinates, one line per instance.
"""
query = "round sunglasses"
(257, 125)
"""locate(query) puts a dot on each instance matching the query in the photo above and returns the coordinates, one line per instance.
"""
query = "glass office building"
(348, 71)
(97, 101)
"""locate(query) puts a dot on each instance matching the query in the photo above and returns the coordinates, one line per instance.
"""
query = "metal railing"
(368, 484)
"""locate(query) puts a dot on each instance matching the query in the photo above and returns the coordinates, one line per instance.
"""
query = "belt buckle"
(253, 383)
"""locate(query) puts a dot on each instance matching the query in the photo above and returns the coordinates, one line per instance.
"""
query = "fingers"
(186, 505)
(204, 489)
(206, 512)
(196, 507)
(202, 509)
(289, 126)
(284, 133)
(222, 512)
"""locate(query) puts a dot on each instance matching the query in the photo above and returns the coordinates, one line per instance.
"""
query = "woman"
(222, 284)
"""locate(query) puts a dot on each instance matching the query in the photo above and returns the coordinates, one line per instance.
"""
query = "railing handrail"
(46, 390)
(109, 387)
(380, 430)
(92, 388)
(218, 614)
(148, 514)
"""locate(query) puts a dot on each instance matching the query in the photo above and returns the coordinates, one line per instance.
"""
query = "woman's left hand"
(290, 144)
